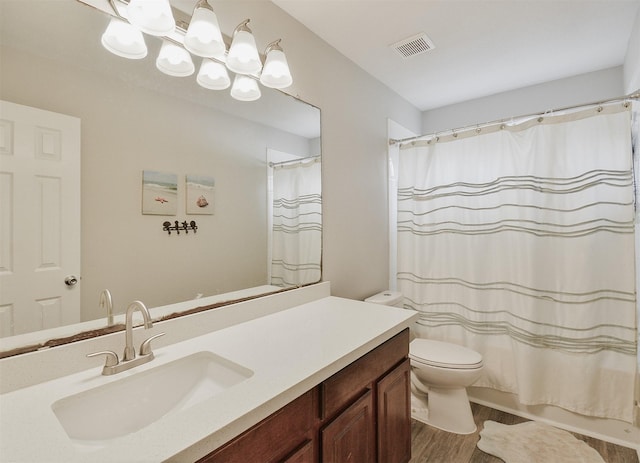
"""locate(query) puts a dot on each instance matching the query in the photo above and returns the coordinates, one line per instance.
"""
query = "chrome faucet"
(106, 302)
(129, 351)
(112, 364)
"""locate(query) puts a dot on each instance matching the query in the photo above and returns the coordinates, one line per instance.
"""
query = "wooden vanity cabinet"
(379, 382)
(361, 414)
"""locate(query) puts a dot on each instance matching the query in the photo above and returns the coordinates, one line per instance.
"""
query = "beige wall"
(632, 60)
(128, 129)
(580, 89)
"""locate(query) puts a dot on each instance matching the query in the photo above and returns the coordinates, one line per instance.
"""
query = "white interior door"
(39, 219)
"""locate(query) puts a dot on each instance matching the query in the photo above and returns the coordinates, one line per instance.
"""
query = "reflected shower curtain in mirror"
(518, 241)
(297, 223)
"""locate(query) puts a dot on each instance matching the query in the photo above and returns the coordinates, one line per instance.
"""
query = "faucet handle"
(145, 347)
(110, 361)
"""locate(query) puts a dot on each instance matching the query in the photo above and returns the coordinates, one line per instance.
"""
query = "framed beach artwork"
(159, 193)
(200, 194)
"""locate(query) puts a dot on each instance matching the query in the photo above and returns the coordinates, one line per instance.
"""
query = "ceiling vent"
(413, 46)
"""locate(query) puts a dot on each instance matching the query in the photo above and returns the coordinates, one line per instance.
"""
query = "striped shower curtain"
(296, 233)
(518, 241)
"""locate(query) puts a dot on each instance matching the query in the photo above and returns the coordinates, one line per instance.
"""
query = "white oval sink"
(127, 405)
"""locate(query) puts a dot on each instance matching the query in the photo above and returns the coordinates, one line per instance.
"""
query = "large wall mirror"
(134, 119)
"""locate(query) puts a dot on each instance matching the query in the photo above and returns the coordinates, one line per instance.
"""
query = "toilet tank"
(393, 298)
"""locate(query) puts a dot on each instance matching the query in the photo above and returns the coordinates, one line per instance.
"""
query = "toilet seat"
(444, 355)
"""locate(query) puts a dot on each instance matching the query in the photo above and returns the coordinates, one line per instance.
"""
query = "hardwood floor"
(434, 446)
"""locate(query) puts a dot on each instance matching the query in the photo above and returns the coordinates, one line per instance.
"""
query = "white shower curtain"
(518, 241)
(297, 223)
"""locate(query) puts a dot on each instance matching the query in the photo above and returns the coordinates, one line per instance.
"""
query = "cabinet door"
(394, 415)
(351, 436)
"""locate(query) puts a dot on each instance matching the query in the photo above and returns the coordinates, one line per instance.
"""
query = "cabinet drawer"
(349, 383)
(274, 437)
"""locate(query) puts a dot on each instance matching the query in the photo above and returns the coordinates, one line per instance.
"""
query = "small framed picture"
(159, 193)
(200, 194)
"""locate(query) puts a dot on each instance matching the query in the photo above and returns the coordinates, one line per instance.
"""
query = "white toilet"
(440, 374)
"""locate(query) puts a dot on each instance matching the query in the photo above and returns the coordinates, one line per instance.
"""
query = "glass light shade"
(275, 73)
(245, 88)
(124, 40)
(203, 37)
(153, 17)
(174, 60)
(213, 75)
(243, 55)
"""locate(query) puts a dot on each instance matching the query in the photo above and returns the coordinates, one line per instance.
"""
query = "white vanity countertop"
(289, 352)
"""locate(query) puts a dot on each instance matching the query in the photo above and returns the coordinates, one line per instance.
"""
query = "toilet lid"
(444, 354)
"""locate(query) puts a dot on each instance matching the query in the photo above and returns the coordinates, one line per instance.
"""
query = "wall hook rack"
(177, 226)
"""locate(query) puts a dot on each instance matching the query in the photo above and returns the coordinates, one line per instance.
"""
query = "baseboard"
(614, 431)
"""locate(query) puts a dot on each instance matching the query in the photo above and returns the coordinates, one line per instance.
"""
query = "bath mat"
(533, 442)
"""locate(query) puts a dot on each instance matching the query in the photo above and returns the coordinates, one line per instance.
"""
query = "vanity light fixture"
(245, 88)
(153, 17)
(275, 73)
(243, 57)
(174, 60)
(203, 37)
(124, 40)
(213, 75)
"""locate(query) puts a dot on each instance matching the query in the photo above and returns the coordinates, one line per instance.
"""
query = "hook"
(166, 226)
(177, 226)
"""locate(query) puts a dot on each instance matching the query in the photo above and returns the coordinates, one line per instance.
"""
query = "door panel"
(39, 219)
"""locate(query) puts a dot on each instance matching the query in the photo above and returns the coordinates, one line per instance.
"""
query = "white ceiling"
(482, 47)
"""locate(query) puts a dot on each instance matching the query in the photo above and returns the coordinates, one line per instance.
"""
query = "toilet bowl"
(440, 373)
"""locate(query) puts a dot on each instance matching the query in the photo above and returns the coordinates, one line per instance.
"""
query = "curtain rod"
(293, 161)
(632, 96)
